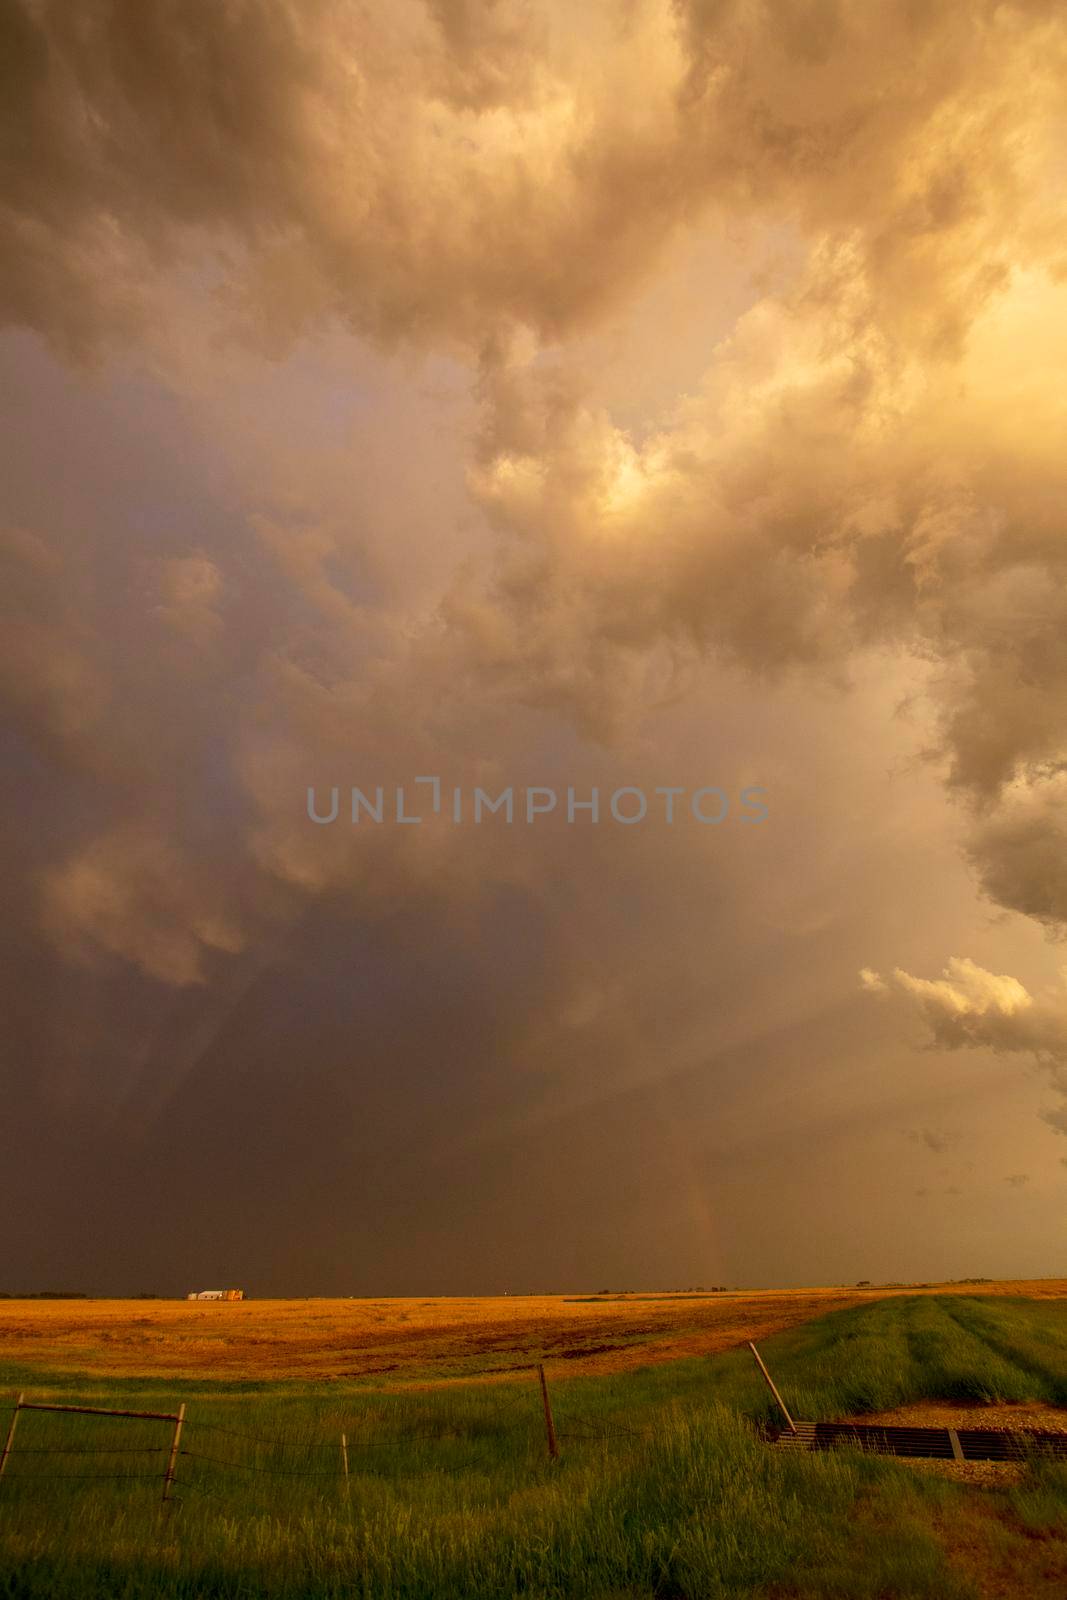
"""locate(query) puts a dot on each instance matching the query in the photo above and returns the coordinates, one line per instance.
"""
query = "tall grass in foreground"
(663, 1488)
(696, 1508)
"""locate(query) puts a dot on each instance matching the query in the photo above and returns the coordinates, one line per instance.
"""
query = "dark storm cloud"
(872, 462)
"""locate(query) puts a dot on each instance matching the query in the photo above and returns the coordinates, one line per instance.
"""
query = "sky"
(645, 397)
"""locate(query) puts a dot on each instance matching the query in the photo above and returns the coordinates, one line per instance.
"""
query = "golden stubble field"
(415, 1342)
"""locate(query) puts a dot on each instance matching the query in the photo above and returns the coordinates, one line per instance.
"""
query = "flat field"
(662, 1490)
(416, 1340)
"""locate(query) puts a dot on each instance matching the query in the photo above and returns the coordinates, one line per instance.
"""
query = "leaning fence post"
(11, 1432)
(770, 1385)
(168, 1476)
(550, 1427)
(344, 1459)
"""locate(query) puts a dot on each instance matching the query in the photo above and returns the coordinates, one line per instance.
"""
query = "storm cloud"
(652, 394)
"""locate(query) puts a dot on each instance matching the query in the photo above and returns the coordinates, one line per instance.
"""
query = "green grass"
(895, 1351)
(662, 1488)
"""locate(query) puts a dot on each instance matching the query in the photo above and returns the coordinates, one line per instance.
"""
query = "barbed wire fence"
(184, 1447)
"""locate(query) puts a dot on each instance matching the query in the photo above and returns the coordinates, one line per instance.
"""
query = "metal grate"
(945, 1444)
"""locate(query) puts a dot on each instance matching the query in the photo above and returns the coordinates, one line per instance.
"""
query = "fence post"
(168, 1476)
(11, 1432)
(770, 1385)
(550, 1427)
(344, 1458)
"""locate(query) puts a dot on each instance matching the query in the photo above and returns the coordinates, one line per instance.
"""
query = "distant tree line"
(78, 1294)
(49, 1294)
(699, 1288)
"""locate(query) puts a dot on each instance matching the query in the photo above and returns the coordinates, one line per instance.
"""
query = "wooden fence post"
(168, 1476)
(344, 1459)
(11, 1432)
(550, 1427)
(770, 1385)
